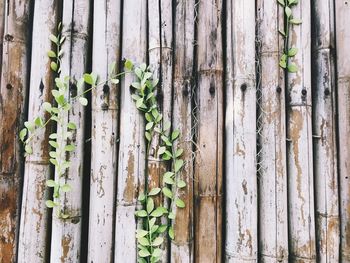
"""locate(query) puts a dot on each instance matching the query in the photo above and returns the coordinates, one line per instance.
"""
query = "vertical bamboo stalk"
(105, 108)
(33, 243)
(273, 228)
(342, 14)
(241, 183)
(2, 24)
(208, 165)
(131, 166)
(299, 147)
(66, 233)
(325, 150)
(184, 24)
(14, 83)
(160, 59)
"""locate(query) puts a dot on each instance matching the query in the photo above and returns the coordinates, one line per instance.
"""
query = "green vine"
(151, 236)
(289, 21)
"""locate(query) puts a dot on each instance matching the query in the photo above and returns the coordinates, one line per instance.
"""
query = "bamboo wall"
(267, 153)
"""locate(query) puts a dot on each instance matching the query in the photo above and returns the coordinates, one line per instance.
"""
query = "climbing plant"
(152, 214)
(289, 21)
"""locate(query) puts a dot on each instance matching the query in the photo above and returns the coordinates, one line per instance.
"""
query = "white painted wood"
(324, 123)
(299, 147)
(241, 182)
(14, 50)
(131, 164)
(208, 164)
(272, 175)
(105, 108)
(66, 233)
(184, 24)
(342, 15)
(33, 240)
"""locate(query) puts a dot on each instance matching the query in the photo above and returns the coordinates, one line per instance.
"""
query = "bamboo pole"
(2, 24)
(33, 242)
(66, 233)
(342, 14)
(160, 59)
(15, 24)
(184, 24)
(105, 109)
(241, 183)
(325, 150)
(131, 164)
(208, 165)
(273, 223)
(299, 147)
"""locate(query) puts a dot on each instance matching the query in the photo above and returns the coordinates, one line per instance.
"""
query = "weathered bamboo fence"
(267, 153)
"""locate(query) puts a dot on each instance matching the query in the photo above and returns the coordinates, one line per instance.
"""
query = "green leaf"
(29, 125)
(154, 191)
(28, 149)
(161, 150)
(157, 252)
(168, 180)
(51, 54)
(171, 232)
(54, 161)
(141, 260)
(149, 126)
(53, 144)
(143, 66)
(115, 81)
(53, 136)
(281, 2)
(139, 102)
(69, 147)
(88, 79)
(148, 136)
(54, 66)
(50, 203)
(141, 213)
(141, 233)
(150, 205)
(179, 152)
(295, 21)
(292, 52)
(171, 215)
(167, 192)
(53, 154)
(292, 2)
(138, 73)
(181, 183)
(157, 212)
(71, 125)
(175, 134)
(38, 122)
(162, 229)
(143, 241)
(157, 241)
(178, 165)
(144, 253)
(142, 197)
(66, 188)
(180, 203)
(128, 64)
(47, 106)
(292, 68)
(152, 222)
(51, 183)
(83, 101)
(136, 85)
(283, 61)
(22, 134)
(62, 40)
(53, 38)
(288, 11)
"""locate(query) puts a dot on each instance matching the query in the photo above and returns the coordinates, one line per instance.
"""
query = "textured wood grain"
(240, 165)
(208, 165)
(324, 124)
(273, 227)
(34, 243)
(183, 245)
(66, 234)
(2, 25)
(105, 108)
(299, 147)
(131, 164)
(342, 14)
(14, 25)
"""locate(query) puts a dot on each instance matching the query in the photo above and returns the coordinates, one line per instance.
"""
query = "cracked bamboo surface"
(266, 154)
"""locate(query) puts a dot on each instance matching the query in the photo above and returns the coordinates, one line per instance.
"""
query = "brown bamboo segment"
(105, 109)
(240, 166)
(208, 165)
(184, 24)
(299, 147)
(15, 24)
(273, 228)
(342, 14)
(2, 25)
(131, 161)
(33, 241)
(66, 233)
(325, 149)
